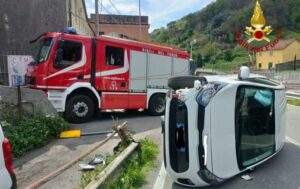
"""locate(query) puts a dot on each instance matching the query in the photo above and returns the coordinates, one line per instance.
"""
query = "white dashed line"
(293, 141)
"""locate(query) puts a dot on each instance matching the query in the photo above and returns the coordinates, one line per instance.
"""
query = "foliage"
(133, 172)
(88, 176)
(214, 27)
(136, 167)
(27, 133)
(295, 102)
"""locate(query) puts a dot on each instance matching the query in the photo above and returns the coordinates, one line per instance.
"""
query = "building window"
(114, 56)
(259, 65)
(270, 65)
(271, 53)
(260, 54)
(101, 33)
(68, 53)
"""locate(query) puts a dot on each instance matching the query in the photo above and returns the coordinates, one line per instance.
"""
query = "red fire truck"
(81, 74)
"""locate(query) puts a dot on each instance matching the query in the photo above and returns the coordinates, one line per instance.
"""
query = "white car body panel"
(226, 166)
(219, 130)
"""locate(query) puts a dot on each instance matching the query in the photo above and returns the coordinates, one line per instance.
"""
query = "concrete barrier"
(32, 101)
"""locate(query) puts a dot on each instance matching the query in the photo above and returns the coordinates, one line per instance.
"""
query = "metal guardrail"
(293, 95)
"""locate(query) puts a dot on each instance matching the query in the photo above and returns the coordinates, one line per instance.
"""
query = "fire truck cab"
(81, 74)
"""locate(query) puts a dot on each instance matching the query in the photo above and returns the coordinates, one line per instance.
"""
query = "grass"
(135, 168)
(295, 102)
(89, 176)
(132, 173)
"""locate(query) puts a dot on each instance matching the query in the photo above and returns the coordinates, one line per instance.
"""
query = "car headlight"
(205, 95)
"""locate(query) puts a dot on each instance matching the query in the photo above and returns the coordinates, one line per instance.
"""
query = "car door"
(68, 64)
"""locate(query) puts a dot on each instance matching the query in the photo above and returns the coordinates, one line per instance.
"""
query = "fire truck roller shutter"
(159, 70)
(81, 104)
(138, 69)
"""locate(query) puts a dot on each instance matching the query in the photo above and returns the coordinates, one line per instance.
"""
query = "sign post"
(16, 66)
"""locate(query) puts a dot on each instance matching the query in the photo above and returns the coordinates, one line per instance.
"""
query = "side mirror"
(59, 55)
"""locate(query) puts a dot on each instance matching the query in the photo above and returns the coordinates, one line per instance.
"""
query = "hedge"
(28, 133)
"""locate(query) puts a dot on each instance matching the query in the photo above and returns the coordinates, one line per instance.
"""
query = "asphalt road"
(40, 162)
(282, 171)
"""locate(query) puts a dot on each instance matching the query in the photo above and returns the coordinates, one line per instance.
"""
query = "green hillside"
(214, 27)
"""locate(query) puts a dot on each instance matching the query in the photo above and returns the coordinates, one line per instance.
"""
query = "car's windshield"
(42, 48)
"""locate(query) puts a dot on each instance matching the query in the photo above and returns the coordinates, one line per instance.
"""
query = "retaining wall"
(32, 101)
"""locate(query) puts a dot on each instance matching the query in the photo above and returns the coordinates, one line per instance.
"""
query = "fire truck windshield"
(42, 48)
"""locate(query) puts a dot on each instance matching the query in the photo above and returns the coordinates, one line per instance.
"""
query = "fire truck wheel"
(181, 82)
(79, 109)
(157, 104)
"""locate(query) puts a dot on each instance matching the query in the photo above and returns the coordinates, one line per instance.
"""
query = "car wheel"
(157, 104)
(79, 109)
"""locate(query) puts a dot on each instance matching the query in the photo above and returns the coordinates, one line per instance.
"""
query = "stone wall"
(33, 101)
(24, 20)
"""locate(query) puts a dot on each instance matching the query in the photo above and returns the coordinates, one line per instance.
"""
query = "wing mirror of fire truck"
(59, 55)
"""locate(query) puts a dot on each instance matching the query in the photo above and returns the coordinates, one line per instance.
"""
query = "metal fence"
(288, 66)
(3, 70)
(289, 76)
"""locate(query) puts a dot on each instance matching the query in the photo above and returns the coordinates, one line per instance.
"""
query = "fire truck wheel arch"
(78, 88)
(152, 92)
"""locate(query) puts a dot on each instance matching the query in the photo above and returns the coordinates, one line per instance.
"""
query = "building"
(284, 55)
(24, 20)
(124, 26)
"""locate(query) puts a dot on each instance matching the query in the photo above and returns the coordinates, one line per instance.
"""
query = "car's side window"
(255, 125)
(68, 53)
(114, 56)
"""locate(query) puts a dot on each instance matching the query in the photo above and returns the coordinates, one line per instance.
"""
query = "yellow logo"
(258, 31)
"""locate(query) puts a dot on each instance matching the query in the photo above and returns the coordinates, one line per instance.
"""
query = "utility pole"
(193, 42)
(70, 13)
(140, 20)
(97, 17)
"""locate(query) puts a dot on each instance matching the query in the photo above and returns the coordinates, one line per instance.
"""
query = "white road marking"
(291, 140)
(160, 180)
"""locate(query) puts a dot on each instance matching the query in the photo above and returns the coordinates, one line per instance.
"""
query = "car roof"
(254, 80)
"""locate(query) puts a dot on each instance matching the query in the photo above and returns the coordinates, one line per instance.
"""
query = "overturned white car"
(219, 126)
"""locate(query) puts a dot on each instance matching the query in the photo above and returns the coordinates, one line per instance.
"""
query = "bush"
(28, 133)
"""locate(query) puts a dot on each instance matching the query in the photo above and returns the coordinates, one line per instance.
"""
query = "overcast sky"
(160, 12)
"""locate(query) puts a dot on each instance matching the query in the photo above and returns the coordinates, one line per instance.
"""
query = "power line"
(113, 5)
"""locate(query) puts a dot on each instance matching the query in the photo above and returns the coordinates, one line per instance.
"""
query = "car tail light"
(7, 152)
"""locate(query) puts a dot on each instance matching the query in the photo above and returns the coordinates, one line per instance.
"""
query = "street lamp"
(193, 42)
